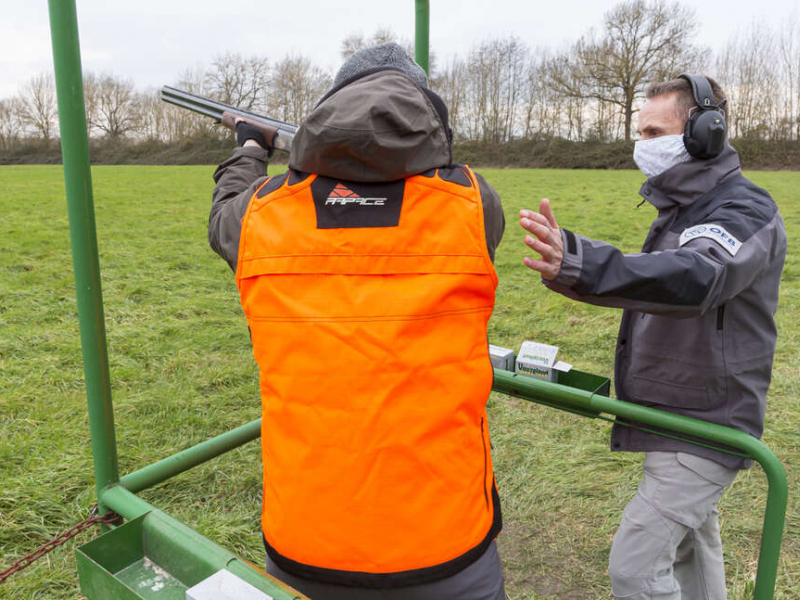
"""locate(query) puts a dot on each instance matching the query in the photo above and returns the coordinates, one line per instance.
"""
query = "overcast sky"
(153, 41)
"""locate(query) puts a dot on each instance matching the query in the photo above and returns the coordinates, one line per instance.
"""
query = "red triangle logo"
(342, 191)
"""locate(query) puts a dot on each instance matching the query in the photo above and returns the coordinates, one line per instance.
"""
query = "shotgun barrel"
(277, 133)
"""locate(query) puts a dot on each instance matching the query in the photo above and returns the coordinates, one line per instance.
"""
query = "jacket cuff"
(256, 152)
(571, 261)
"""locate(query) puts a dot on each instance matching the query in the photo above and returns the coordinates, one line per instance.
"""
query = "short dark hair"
(685, 101)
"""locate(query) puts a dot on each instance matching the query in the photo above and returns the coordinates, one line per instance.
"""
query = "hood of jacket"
(376, 126)
(687, 181)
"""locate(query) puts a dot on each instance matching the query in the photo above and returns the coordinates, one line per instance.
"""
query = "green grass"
(182, 371)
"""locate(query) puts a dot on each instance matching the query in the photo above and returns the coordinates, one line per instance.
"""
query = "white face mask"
(656, 155)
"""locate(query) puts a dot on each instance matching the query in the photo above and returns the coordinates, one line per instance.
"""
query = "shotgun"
(277, 134)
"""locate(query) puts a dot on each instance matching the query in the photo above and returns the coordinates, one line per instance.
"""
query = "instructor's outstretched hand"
(547, 242)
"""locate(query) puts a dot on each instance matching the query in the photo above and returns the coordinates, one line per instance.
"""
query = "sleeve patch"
(712, 232)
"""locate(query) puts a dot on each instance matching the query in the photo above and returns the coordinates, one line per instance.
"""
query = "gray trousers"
(482, 580)
(667, 546)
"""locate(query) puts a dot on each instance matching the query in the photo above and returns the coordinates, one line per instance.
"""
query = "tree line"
(501, 90)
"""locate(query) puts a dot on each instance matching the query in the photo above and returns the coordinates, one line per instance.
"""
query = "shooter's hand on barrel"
(250, 133)
(547, 242)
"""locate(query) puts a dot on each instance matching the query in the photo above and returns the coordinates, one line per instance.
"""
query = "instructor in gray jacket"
(697, 336)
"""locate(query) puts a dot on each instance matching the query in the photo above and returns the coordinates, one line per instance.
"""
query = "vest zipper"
(720, 317)
(485, 467)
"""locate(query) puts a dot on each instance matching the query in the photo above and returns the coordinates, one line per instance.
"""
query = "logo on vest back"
(341, 195)
(353, 204)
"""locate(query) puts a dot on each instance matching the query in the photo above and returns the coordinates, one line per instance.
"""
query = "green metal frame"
(119, 494)
(422, 35)
(83, 236)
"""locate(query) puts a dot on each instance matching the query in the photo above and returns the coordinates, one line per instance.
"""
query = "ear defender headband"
(704, 134)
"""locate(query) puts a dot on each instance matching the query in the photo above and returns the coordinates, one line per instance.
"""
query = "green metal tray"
(130, 562)
(586, 382)
(149, 558)
(572, 386)
(154, 556)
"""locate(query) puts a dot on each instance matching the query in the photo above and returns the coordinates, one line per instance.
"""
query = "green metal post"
(587, 403)
(422, 38)
(78, 182)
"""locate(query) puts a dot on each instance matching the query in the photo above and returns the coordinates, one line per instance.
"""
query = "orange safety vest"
(368, 305)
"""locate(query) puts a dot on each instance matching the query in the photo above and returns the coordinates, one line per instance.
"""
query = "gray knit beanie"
(385, 55)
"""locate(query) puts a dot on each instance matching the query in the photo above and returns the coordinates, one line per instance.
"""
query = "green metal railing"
(422, 34)
(119, 495)
(587, 403)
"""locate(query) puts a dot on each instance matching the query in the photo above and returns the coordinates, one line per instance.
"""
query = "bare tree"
(574, 117)
(500, 90)
(11, 125)
(178, 123)
(90, 97)
(114, 105)
(352, 44)
(495, 73)
(513, 60)
(640, 42)
(357, 41)
(451, 85)
(542, 107)
(570, 114)
(789, 51)
(748, 67)
(383, 35)
(295, 87)
(239, 81)
(606, 122)
(37, 106)
(194, 81)
(152, 116)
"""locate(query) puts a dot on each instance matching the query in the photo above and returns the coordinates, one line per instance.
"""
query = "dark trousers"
(482, 580)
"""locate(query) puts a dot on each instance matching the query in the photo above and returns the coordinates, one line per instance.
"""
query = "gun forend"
(277, 133)
(268, 132)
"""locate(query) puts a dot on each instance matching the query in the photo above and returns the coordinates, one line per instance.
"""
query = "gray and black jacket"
(697, 336)
(376, 127)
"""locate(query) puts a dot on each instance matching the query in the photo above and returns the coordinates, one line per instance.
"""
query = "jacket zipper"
(485, 467)
(721, 333)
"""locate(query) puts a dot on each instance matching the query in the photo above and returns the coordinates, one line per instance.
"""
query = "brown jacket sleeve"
(494, 222)
(236, 181)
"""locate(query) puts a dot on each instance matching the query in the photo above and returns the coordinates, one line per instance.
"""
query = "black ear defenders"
(704, 134)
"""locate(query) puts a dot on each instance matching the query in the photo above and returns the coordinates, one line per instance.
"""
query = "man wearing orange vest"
(365, 272)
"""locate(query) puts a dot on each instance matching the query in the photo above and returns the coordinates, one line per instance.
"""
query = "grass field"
(182, 371)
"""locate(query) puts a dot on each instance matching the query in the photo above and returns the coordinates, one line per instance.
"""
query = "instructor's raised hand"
(547, 242)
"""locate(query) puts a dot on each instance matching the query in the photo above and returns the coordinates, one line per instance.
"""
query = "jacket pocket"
(485, 465)
(707, 469)
(666, 393)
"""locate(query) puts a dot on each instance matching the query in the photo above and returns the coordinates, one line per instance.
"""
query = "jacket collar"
(686, 182)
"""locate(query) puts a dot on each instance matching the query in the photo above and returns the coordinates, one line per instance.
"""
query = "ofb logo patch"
(341, 195)
(712, 232)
